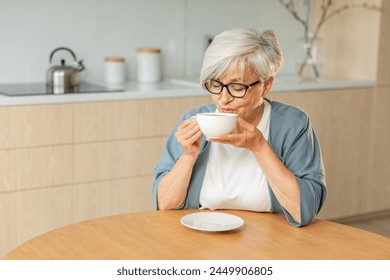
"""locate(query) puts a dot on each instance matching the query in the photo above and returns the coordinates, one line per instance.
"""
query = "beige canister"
(114, 70)
(148, 65)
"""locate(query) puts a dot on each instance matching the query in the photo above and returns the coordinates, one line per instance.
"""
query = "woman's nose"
(225, 96)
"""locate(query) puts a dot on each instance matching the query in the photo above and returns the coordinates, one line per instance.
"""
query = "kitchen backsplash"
(94, 29)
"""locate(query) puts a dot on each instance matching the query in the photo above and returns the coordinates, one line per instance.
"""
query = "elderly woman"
(271, 162)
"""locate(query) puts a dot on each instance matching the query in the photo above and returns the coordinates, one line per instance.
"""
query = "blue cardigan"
(293, 140)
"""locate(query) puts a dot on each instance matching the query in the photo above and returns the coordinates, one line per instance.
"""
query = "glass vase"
(310, 57)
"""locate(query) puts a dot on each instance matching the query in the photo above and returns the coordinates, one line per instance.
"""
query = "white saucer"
(212, 221)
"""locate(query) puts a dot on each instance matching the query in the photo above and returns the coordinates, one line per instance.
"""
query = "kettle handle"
(62, 48)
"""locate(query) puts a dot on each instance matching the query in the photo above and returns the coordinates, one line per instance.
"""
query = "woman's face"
(248, 107)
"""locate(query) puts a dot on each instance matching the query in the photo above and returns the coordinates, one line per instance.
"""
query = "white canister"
(114, 70)
(148, 65)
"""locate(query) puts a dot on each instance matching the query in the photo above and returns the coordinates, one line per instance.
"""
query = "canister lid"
(148, 50)
(114, 59)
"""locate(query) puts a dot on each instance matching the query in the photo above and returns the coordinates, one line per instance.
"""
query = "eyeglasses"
(236, 90)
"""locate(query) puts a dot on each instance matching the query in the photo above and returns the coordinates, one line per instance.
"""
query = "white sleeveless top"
(234, 179)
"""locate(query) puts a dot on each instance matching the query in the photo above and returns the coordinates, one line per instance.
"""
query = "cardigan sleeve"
(299, 149)
(305, 161)
(171, 154)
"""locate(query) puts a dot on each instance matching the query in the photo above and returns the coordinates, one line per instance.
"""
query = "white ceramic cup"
(214, 124)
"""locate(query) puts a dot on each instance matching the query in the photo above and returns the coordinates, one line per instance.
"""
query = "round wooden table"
(154, 235)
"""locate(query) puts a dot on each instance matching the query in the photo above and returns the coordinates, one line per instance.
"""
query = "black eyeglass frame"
(227, 87)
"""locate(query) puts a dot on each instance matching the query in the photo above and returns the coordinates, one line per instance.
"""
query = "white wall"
(93, 29)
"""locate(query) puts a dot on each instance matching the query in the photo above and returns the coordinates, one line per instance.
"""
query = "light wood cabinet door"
(378, 190)
(352, 129)
(343, 130)
(35, 125)
(101, 121)
(116, 159)
(29, 168)
(97, 199)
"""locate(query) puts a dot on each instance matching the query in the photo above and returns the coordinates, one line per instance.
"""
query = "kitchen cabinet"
(352, 128)
(64, 163)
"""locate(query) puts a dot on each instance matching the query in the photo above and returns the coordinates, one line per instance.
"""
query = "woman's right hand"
(188, 134)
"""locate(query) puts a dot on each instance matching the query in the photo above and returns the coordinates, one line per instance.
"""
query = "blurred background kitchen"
(94, 29)
(63, 162)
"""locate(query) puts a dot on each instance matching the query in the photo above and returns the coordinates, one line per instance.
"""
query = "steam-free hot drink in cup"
(214, 124)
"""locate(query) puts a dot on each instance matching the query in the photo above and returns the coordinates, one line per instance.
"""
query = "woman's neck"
(257, 115)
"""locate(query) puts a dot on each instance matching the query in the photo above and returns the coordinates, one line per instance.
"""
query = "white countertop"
(173, 88)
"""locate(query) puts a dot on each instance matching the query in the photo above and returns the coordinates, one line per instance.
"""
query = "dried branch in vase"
(328, 11)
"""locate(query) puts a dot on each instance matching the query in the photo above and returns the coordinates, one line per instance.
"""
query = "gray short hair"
(241, 49)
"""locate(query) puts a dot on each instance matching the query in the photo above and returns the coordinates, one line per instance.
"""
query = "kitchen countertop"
(174, 88)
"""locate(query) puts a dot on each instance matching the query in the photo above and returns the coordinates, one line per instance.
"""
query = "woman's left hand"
(245, 135)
